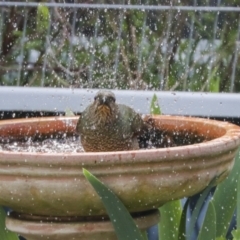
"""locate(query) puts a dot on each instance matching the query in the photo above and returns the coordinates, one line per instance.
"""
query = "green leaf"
(170, 219)
(208, 229)
(182, 225)
(214, 81)
(34, 44)
(225, 199)
(238, 204)
(69, 112)
(154, 107)
(144, 235)
(236, 234)
(121, 219)
(17, 33)
(214, 84)
(43, 18)
(198, 208)
(4, 233)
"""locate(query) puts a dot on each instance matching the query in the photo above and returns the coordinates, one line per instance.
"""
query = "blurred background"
(181, 45)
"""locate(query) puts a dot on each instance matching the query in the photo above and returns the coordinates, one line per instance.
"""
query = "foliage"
(121, 219)
(43, 19)
(154, 107)
(4, 233)
(69, 112)
(114, 48)
(170, 219)
(208, 230)
(225, 199)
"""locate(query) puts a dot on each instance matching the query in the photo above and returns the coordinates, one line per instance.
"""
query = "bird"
(108, 126)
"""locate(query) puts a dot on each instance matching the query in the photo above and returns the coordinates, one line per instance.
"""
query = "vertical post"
(92, 52)
(21, 56)
(189, 49)
(116, 62)
(162, 70)
(235, 60)
(212, 51)
(47, 43)
(70, 56)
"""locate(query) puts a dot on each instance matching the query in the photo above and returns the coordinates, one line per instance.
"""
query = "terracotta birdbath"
(51, 199)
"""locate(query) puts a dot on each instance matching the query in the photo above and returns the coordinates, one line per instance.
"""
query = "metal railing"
(155, 47)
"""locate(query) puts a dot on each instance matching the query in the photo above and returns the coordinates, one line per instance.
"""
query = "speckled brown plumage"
(107, 126)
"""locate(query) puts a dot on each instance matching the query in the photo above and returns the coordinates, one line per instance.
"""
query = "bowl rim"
(230, 140)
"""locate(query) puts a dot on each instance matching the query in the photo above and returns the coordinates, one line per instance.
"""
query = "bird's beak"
(104, 99)
(101, 101)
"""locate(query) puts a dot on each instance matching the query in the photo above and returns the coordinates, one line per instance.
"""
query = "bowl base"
(34, 228)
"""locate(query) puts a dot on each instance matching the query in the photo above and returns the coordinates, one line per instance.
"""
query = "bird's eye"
(112, 99)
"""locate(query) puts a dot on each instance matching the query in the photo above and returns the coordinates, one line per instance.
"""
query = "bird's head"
(104, 97)
(104, 103)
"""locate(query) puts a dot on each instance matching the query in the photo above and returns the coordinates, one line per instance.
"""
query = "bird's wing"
(83, 120)
(131, 119)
